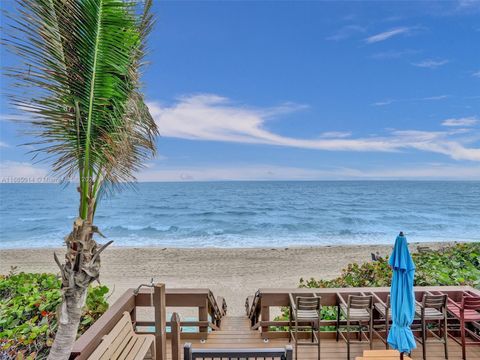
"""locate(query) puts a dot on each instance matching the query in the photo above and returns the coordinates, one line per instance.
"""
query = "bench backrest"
(247, 354)
(122, 331)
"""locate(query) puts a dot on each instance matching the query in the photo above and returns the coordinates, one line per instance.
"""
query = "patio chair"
(358, 309)
(305, 315)
(383, 309)
(467, 311)
(432, 311)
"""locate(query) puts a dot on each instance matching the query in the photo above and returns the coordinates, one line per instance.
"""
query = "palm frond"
(80, 80)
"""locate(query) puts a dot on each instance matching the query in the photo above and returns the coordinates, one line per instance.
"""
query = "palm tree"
(78, 77)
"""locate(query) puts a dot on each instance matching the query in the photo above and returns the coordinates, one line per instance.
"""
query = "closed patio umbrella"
(402, 297)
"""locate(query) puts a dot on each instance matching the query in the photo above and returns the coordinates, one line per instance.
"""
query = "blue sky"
(305, 90)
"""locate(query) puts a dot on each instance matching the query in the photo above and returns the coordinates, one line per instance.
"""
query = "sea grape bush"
(28, 313)
(453, 265)
(457, 265)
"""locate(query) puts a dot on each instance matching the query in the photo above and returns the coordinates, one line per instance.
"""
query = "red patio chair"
(467, 311)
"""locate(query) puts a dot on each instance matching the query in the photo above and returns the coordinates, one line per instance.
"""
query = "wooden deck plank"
(239, 335)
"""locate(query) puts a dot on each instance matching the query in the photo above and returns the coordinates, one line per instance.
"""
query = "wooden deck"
(236, 333)
(258, 329)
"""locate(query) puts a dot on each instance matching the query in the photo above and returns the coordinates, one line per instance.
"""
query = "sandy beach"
(231, 273)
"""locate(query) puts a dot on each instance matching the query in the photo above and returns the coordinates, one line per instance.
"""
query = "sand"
(231, 273)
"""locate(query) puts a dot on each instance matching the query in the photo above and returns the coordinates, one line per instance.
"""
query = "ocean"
(248, 214)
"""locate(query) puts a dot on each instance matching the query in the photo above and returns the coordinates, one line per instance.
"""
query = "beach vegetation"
(452, 265)
(28, 313)
(78, 77)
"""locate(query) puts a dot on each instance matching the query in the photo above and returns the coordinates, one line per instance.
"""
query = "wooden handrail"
(253, 306)
(203, 299)
(258, 309)
(217, 313)
(223, 305)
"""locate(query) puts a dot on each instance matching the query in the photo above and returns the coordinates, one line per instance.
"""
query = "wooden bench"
(244, 354)
(122, 343)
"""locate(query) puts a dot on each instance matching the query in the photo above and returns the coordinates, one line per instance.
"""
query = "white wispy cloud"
(426, 98)
(476, 74)
(387, 34)
(215, 118)
(383, 102)
(393, 54)
(14, 117)
(463, 121)
(346, 32)
(3, 144)
(438, 97)
(21, 171)
(431, 64)
(336, 134)
(468, 3)
(272, 172)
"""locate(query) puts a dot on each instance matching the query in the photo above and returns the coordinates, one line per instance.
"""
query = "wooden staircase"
(235, 332)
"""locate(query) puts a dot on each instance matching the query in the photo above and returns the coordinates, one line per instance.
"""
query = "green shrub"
(326, 313)
(453, 265)
(28, 313)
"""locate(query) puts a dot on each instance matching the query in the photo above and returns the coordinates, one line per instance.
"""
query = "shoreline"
(231, 273)
(282, 247)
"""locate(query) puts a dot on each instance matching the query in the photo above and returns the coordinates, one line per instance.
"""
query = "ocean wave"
(29, 219)
(142, 228)
(166, 207)
(355, 220)
(241, 213)
(253, 214)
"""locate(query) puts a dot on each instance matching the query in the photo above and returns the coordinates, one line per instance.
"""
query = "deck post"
(203, 316)
(159, 304)
(265, 316)
(176, 330)
(187, 351)
(289, 352)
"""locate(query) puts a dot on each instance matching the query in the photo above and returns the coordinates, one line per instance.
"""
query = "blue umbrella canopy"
(402, 298)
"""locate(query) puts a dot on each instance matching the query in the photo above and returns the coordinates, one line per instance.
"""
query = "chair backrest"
(360, 302)
(246, 354)
(434, 301)
(471, 302)
(308, 303)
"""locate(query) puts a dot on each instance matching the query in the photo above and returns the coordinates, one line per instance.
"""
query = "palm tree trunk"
(81, 267)
(71, 312)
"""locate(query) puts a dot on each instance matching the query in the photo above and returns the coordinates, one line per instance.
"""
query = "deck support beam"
(159, 303)
(176, 330)
(203, 316)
